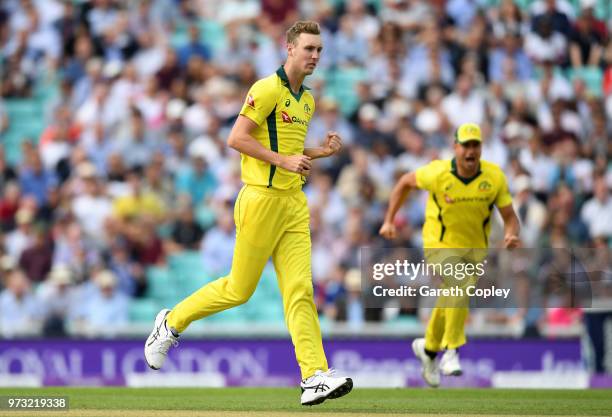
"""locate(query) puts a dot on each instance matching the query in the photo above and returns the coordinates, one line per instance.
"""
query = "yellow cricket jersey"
(459, 209)
(282, 119)
(133, 206)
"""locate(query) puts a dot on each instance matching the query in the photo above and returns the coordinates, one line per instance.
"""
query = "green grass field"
(176, 402)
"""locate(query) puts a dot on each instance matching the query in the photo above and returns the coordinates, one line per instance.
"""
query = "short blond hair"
(302, 26)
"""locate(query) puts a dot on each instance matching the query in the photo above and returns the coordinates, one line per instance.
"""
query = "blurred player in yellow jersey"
(272, 218)
(462, 194)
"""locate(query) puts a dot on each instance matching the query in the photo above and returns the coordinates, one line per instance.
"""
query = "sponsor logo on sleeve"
(250, 101)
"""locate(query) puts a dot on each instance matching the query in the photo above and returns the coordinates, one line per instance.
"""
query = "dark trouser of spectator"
(595, 324)
(54, 327)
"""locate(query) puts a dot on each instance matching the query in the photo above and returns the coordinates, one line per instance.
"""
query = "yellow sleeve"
(155, 205)
(259, 102)
(504, 198)
(122, 207)
(426, 175)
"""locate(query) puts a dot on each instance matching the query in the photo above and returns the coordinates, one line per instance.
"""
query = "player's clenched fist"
(388, 230)
(296, 163)
(511, 242)
(333, 143)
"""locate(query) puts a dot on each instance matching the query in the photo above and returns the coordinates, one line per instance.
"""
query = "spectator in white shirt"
(57, 297)
(544, 44)
(464, 105)
(22, 237)
(531, 212)
(20, 312)
(597, 212)
(92, 207)
(107, 309)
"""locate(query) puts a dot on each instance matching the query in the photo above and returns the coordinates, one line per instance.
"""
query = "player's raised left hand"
(333, 143)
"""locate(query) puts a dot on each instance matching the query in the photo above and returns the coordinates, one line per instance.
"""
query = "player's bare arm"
(511, 227)
(332, 145)
(405, 184)
(240, 139)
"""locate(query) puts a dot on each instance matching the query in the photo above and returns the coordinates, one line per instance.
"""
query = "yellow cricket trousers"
(269, 223)
(446, 326)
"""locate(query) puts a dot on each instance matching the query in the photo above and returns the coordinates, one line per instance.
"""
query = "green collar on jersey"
(464, 180)
(283, 76)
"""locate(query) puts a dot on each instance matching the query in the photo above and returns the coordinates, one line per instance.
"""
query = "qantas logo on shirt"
(292, 119)
(470, 199)
(300, 121)
(250, 101)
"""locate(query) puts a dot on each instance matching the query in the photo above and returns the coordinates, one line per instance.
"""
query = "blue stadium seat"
(189, 262)
(377, 4)
(270, 312)
(212, 34)
(592, 76)
(45, 90)
(188, 272)
(602, 8)
(161, 286)
(524, 5)
(21, 108)
(26, 122)
(340, 84)
(236, 315)
(143, 310)
(266, 304)
(188, 284)
(179, 37)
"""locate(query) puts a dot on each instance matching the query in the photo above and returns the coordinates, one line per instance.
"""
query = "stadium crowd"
(131, 165)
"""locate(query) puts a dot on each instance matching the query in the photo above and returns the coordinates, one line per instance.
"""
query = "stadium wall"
(232, 362)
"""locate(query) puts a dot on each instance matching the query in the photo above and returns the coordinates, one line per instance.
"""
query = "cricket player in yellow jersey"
(462, 194)
(272, 218)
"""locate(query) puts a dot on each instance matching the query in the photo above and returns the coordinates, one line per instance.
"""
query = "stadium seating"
(185, 274)
(26, 123)
(341, 85)
(592, 77)
(212, 34)
(161, 288)
(141, 310)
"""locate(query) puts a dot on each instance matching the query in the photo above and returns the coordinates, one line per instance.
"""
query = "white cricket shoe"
(429, 367)
(449, 364)
(324, 385)
(159, 341)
